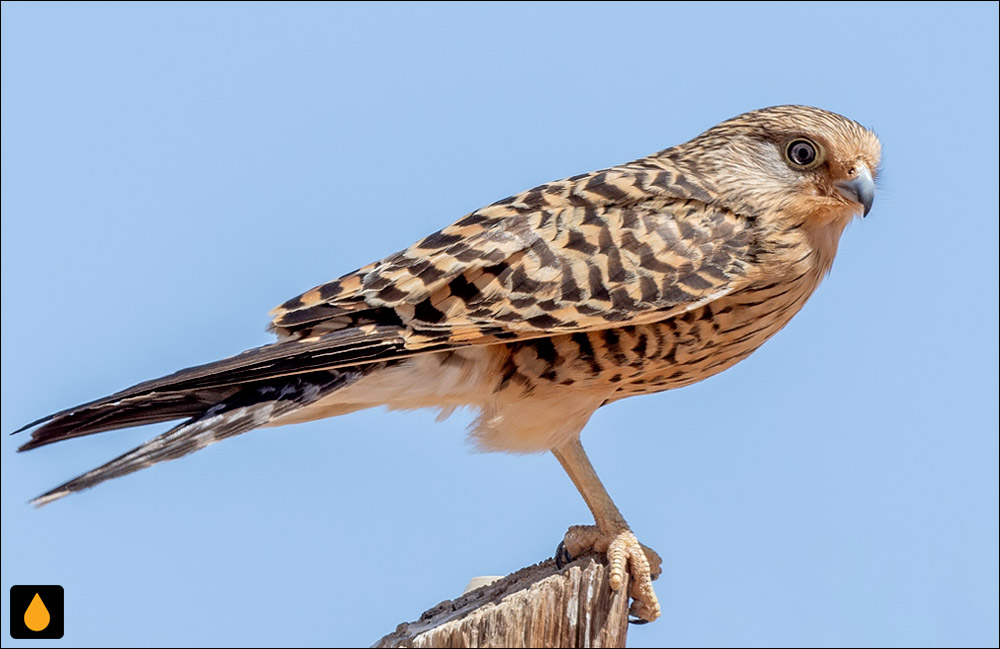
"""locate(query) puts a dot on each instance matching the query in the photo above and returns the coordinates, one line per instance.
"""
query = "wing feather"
(623, 246)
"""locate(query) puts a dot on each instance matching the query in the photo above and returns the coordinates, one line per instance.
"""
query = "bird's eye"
(802, 153)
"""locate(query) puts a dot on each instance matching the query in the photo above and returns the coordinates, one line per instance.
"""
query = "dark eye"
(801, 153)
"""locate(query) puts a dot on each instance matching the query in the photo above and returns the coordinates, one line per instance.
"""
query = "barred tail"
(243, 409)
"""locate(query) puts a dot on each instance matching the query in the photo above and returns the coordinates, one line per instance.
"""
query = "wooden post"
(538, 606)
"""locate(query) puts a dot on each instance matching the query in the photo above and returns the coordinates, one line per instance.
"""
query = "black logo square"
(36, 612)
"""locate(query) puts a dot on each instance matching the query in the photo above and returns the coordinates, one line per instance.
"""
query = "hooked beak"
(860, 189)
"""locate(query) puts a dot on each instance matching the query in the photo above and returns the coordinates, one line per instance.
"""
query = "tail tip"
(47, 497)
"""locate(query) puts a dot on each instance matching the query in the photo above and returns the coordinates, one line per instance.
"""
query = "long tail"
(226, 397)
(215, 415)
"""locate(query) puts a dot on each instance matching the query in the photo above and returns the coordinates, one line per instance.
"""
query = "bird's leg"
(611, 534)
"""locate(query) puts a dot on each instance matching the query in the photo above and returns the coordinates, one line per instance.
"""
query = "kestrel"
(540, 308)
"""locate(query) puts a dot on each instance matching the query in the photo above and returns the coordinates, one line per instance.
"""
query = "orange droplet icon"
(37, 616)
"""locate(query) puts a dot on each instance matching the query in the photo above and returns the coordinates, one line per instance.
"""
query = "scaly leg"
(611, 534)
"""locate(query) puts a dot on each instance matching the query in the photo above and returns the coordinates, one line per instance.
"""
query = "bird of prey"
(540, 308)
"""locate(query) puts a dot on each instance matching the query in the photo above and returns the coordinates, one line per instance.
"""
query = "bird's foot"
(623, 551)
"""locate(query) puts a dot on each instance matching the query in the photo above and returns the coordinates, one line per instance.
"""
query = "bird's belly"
(706, 341)
(648, 358)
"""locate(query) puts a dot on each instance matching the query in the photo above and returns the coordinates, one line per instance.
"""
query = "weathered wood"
(538, 606)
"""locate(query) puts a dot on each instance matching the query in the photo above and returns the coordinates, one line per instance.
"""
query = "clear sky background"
(172, 171)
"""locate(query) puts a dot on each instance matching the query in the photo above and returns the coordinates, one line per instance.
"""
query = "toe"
(645, 604)
(580, 539)
(619, 554)
(625, 556)
(654, 560)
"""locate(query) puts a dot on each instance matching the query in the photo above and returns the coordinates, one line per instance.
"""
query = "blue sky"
(171, 172)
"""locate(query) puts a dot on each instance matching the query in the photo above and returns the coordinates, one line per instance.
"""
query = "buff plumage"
(538, 309)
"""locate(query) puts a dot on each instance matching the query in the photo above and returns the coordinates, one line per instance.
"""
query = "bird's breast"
(713, 338)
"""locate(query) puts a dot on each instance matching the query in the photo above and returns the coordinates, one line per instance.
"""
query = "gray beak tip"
(860, 189)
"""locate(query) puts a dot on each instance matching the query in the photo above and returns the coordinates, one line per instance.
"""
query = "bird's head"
(794, 160)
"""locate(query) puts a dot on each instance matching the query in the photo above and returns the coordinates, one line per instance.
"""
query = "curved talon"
(563, 557)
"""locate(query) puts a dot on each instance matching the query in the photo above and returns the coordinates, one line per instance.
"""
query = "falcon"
(537, 310)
